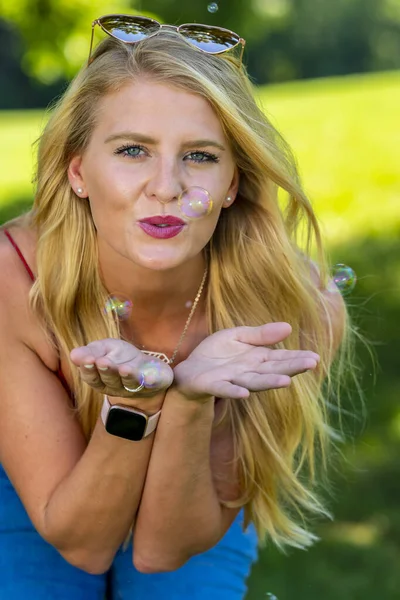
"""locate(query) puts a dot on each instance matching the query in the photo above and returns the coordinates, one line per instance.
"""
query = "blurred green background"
(328, 76)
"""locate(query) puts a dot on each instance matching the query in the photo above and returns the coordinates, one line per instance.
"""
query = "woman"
(157, 186)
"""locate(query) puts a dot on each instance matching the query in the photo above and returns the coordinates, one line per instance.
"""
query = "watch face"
(126, 424)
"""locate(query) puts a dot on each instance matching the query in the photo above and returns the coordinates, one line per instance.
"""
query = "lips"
(163, 220)
(162, 226)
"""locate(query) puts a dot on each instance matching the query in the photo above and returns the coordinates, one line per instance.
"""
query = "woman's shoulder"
(17, 258)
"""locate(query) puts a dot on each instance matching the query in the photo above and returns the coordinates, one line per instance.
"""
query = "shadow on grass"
(358, 556)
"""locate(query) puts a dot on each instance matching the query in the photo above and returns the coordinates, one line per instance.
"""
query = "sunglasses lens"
(210, 39)
(129, 29)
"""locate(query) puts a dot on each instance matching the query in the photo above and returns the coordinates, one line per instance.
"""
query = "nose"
(164, 185)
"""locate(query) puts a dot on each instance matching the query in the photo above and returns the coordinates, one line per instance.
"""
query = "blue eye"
(131, 151)
(200, 157)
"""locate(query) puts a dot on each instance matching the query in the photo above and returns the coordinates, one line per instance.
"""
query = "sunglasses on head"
(133, 29)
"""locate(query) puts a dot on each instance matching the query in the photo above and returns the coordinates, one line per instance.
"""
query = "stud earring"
(79, 190)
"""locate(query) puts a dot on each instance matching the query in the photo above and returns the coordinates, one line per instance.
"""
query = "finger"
(275, 355)
(117, 351)
(90, 375)
(226, 389)
(263, 335)
(110, 376)
(89, 354)
(290, 367)
(156, 374)
(131, 381)
(255, 382)
(85, 356)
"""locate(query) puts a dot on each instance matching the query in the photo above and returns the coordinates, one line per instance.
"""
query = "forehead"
(156, 107)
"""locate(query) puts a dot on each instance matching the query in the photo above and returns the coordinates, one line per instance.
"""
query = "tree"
(56, 33)
(287, 39)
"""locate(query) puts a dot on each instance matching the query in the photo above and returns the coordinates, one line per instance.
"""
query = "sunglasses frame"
(170, 27)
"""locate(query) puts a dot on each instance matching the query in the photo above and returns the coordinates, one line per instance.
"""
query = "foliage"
(287, 39)
(56, 32)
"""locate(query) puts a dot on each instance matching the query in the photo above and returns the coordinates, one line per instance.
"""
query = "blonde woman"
(145, 452)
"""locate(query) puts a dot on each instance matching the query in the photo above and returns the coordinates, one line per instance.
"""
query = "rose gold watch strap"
(151, 420)
(152, 423)
(105, 409)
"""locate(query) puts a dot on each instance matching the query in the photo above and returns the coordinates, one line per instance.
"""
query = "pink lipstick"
(162, 226)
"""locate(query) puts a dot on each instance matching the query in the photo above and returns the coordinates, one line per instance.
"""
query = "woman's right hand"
(110, 364)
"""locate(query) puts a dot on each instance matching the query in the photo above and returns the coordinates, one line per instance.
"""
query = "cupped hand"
(110, 364)
(234, 362)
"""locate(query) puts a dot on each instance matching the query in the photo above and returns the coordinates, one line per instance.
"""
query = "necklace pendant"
(159, 355)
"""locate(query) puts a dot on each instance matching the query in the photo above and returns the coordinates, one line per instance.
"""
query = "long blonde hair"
(259, 269)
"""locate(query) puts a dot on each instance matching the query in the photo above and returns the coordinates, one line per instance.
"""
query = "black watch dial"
(126, 424)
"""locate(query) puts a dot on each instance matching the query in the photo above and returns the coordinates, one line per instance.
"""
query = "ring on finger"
(137, 389)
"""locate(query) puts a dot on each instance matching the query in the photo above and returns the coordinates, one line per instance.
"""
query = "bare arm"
(180, 514)
(91, 510)
(81, 498)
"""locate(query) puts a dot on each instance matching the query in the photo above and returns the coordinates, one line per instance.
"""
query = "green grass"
(19, 130)
(346, 137)
(343, 131)
(344, 134)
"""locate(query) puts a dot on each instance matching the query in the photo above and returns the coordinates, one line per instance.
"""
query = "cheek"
(202, 229)
(110, 180)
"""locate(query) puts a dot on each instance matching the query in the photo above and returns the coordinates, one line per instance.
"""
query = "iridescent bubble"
(118, 306)
(195, 203)
(212, 7)
(151, 371)
(344, 278)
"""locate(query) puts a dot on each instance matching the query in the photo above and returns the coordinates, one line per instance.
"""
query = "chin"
(160, 263)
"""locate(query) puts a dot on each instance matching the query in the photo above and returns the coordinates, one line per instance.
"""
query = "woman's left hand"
(234, 362)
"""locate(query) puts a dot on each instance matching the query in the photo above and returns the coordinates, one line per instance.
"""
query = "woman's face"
(151, 142)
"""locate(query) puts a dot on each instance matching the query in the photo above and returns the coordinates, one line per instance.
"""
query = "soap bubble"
(271, 596)
(195, 202)
(344, 278)
(212, 7)
(151, 371)
(118, 306)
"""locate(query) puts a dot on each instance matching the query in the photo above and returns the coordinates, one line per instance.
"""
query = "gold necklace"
(163, 356)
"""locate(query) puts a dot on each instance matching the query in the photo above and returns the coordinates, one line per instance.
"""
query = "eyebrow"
(145, 139)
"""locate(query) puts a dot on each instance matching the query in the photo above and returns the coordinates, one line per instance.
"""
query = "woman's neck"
(155, 294)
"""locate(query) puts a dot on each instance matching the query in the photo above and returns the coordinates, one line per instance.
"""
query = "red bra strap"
(13, 242)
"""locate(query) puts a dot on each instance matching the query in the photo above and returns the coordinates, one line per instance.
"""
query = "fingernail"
(88, 366)
(102, 368)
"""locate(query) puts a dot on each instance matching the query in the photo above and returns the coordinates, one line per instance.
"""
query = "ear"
(75, 177)
(232, 191)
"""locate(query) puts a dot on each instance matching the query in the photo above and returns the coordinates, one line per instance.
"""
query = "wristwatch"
(127, 422)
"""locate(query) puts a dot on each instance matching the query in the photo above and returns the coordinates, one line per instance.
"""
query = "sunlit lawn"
(344, 132)
(346, 136)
